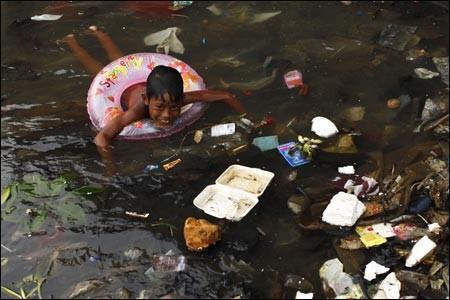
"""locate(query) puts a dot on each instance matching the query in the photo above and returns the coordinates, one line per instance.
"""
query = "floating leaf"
(4, 261)
(38, 220)
(57, 186)
(35, 185)
(71, 212)
(5, 194)
(7, 216)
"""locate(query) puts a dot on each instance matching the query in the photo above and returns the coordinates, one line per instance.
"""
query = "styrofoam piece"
(251, 180)
(373, 269)
(300, 295)
(343, 210)
(389, 288)
(222, 201)
(419, 251)
(323, 127)
(347, 170)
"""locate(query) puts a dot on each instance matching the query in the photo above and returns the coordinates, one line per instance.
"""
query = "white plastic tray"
(251, 180)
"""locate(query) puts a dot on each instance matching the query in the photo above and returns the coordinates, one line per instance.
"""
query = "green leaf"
(38, 220)
(71, 212)
(32, 177)
(8, 216)
(5, 194)
(57, 186)
(37, 186)
(87, 190)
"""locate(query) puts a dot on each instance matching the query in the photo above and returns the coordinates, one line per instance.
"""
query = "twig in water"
(7, 249)
(165, 224)
(178, 15)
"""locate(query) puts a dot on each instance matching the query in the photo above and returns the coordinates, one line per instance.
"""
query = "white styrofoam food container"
(251, 180)
(224, 202)
(235, 193)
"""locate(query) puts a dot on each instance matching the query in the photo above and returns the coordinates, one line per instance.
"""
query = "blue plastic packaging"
(292, 154)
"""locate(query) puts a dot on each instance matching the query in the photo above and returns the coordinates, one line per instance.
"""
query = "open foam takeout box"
(235, 193)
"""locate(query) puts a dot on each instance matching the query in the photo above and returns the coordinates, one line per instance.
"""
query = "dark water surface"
(45, 129)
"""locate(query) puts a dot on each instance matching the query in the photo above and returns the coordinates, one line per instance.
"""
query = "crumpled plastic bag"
(166, 40)
(323, 127)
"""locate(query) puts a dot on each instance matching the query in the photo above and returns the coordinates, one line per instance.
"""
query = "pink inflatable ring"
(103, 101)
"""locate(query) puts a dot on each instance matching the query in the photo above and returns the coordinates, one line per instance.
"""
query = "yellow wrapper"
(372, 239)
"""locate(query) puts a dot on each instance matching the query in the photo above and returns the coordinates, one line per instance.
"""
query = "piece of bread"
(200, 234)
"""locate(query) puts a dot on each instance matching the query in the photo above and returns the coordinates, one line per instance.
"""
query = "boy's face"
(163, 111)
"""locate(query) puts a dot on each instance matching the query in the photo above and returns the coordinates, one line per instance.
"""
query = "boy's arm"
(104, 137)
(115, 126)
(213, 96)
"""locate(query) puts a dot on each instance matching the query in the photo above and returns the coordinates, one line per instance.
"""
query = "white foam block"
(343, 210)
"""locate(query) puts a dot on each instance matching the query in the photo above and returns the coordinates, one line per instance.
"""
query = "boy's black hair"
(163, 80)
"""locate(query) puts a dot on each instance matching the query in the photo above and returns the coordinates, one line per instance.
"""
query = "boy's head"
(164, 95)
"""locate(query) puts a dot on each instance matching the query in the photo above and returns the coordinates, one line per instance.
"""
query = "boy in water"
(159, 99)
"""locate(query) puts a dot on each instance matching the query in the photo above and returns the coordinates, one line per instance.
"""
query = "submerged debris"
(86, 286)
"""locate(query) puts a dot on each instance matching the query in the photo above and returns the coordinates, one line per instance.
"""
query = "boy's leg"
(92, 65)
(107, 43)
